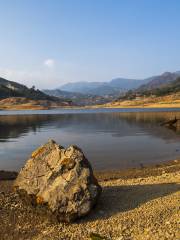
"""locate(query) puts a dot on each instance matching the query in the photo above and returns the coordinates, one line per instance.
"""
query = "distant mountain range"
(118, 86)
(91, 93)
(114, 87)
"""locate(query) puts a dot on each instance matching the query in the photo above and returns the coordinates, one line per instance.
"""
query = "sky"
(47, 43)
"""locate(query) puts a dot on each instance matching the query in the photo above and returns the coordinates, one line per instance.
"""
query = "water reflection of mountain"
(117, 124)
(150, 124)
(16, 125)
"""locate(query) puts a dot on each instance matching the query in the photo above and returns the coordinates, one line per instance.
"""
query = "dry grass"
(169, 101)
(18, 103)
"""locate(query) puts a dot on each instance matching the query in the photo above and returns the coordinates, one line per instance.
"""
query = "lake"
(110, 138)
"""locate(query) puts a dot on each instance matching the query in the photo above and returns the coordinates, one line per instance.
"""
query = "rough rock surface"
(59, 179)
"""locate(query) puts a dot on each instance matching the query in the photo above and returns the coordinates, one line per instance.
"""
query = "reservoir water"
(110, 138)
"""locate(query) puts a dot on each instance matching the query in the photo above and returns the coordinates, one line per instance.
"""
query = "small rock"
(95, 236)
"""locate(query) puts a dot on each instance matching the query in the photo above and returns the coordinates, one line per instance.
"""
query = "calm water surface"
(110, 138)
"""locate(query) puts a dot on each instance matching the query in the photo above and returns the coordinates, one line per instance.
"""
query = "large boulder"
(60, 180)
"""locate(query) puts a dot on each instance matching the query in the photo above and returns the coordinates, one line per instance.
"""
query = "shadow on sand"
(115, 199)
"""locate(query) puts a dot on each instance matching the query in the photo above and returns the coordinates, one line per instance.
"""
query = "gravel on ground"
(134, 208)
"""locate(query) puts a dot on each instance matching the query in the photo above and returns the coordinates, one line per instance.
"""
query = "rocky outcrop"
(60, 180)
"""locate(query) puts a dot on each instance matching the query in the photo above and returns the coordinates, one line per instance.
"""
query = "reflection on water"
(110, 140)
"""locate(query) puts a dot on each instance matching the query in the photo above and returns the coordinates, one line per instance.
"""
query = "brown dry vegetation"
(19, 103)
(169, 101)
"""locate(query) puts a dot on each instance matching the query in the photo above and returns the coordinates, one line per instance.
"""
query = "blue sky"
(50, 42)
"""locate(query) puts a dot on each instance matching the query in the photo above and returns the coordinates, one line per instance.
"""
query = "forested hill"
(10, 89)
(172, 87)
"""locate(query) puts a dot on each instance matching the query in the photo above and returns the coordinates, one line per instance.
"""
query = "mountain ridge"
(119, 85)
(114, 86)
(14, 89)
(160, 80)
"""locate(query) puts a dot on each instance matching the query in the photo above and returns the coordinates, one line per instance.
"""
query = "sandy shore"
(135, 204)
(169, 101)
(168, 105)
(22, 107)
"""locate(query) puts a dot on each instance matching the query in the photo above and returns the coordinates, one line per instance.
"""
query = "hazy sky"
(50, 42)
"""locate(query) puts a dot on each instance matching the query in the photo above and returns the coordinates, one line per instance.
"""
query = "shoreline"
(142, 205)
(155, 106)
(167, 101)
(127, 173)
(164, 107)
(139, 172)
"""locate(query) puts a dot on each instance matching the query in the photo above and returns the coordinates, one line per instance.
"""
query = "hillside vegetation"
(166, 89)
(17, 96)
(13, 89)
(159, 81)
